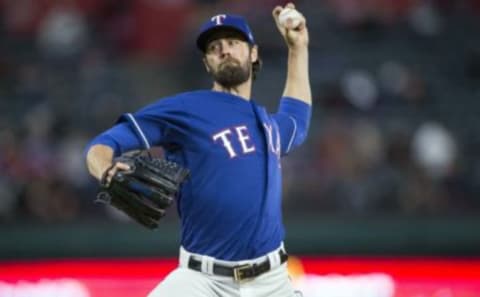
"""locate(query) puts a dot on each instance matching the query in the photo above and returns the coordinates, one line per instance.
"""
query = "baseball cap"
(224, 21)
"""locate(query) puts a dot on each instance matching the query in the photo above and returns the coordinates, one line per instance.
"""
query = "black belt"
(240, 272)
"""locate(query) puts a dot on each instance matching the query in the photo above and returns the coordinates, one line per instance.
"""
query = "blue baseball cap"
(224, 21)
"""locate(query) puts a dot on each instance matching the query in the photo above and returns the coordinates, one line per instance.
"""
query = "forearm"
(99, 158)
(297, 84)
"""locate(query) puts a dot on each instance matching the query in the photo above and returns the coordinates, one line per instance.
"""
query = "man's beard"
(231, 74)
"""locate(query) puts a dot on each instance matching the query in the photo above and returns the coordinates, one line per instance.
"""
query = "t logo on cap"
(224, 22)
(218, 18)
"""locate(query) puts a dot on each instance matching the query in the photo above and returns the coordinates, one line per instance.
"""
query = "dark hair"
(256, 66)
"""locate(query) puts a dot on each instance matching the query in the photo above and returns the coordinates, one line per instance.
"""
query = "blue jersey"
(230, 207)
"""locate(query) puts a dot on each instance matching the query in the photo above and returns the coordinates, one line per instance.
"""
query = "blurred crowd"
(395, 128)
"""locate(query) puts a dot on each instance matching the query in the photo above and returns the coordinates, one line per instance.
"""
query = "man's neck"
(243, 90)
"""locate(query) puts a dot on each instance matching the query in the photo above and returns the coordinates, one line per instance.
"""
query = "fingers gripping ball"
(146, 191)
(290, 14)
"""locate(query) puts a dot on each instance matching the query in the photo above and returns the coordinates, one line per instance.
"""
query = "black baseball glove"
(146, 190)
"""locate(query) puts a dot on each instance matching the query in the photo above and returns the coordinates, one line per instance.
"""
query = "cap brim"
(205, 37)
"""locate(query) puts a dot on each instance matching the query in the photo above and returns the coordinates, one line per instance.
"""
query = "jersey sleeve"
(163, 123)
(293, 120)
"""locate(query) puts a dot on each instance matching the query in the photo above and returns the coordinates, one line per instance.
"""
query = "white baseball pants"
(185, 282)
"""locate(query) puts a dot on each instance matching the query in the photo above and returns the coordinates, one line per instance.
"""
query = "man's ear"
(204, 60)
(254, 54)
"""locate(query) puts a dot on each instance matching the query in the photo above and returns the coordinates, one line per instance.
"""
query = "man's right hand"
(110, 171)
(101, 165)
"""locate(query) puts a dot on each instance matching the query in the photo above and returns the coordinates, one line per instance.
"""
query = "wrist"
(298, 50)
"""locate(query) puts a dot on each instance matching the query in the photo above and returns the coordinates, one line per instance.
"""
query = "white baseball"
(290, 13)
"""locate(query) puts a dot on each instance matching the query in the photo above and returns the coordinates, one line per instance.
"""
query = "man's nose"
(225, 49)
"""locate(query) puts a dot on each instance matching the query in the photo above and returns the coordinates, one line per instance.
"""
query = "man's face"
(228, 57)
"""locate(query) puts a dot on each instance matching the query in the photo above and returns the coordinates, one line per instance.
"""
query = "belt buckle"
(239, 271)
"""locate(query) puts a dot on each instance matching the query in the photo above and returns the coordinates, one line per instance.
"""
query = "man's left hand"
(295, 37)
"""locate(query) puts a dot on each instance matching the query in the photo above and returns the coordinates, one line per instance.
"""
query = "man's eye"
(233, 42)
(213, 47)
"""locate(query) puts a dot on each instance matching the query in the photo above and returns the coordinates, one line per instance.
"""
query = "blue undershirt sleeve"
(161, 123)
(293, 120)
(121, 138)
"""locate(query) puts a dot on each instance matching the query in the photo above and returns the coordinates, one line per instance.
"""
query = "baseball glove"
(146, 190)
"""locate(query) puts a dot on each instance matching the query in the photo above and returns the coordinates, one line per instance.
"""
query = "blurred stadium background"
(382, 200)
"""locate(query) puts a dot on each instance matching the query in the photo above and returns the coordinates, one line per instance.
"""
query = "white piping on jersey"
(293, 134)
(139, 130)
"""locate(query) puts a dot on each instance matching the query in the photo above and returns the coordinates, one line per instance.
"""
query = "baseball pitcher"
(226, 151)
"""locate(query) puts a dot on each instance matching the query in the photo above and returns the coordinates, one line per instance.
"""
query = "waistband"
(210, 265)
